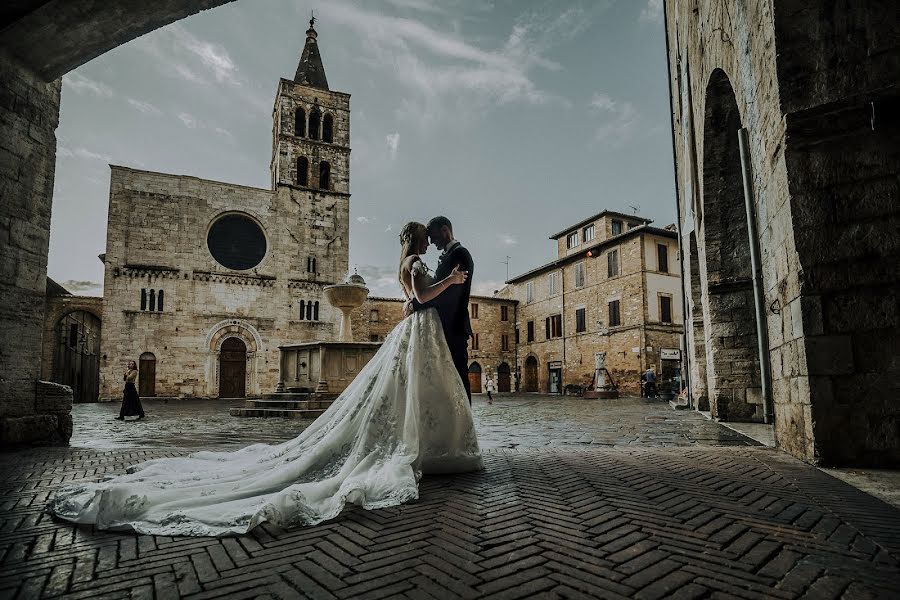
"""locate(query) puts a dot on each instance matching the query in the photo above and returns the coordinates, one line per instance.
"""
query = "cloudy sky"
(514, 118)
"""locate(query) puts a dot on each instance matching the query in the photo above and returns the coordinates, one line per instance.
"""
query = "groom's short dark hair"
(438, 222)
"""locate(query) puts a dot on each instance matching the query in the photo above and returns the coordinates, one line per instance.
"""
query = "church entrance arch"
(229, 343)
(233, 368)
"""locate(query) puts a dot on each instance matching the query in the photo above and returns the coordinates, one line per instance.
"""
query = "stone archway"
(76, 354)
(224, 338)
(732, 352)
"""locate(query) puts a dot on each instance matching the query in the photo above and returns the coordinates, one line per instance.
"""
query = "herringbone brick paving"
(704, 522)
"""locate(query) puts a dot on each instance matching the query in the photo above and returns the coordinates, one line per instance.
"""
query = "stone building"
(793, 269)
(492, 347)
(376, 318)
(614, 287)
(71, 337)
(205, 280)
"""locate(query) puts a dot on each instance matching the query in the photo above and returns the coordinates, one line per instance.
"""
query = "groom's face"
(439, 236)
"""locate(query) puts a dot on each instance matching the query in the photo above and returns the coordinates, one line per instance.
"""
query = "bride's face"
(423, 242)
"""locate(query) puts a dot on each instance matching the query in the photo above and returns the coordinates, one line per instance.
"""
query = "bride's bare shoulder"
(409, 261)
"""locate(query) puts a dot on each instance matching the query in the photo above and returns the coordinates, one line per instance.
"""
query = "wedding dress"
(405, 414)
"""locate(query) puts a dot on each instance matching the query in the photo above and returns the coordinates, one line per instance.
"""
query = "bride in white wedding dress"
(405, 414)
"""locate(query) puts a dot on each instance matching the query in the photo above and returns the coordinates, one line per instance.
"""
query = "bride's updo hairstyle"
(412, 236)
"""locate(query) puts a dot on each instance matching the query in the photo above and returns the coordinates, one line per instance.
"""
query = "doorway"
(531, 374)
(233, 368)
(504, 378)
(76, 360)
(555, 378)
(475, 378)
(147, 375)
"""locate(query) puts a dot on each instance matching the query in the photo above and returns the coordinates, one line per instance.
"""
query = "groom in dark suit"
(453, 304)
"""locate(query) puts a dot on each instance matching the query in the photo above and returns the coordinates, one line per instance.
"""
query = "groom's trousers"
(459, 351)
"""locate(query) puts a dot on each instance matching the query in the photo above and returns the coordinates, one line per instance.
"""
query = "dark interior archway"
(504, 378)
(233, 368)
(732, 350)
(76, 359)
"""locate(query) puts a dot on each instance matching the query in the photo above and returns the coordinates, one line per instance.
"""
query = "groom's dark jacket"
(453, 307)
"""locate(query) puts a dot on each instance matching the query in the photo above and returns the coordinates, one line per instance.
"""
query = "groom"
(453, 304)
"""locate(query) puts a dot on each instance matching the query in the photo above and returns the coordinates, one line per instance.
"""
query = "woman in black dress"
(131, 404)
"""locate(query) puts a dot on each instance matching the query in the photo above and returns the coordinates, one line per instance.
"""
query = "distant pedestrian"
(131, 403)
(650, 377)
(489, 388)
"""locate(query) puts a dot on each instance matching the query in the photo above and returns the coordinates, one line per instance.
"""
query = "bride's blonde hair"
(412, 236)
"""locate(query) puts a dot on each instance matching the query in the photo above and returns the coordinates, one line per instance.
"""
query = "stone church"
(204, 280)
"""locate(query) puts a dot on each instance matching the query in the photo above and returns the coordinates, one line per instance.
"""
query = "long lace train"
(405, 413)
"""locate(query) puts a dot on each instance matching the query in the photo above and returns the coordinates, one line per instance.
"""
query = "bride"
(405, 414)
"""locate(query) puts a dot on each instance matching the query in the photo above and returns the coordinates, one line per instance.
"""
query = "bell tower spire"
(311, 71)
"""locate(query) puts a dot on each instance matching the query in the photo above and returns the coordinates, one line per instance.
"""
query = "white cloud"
(442, 73)
(211, 55)
(144, 107)
(63, 151)
(381, 280)
(83, 287)
(618, 121)
(89, 155)
(224, 132)
(419, 5)
(653, 12)
(507, 239)
(362, 219)
(389, 229)
(486, 288)
(393, 142)
(189, 121)
(83, 85)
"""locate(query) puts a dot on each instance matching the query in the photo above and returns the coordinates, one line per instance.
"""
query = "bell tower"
(311, 161)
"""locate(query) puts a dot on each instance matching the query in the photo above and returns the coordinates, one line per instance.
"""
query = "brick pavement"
(559, 521)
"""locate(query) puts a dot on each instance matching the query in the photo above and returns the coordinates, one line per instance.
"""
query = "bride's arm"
(425, 292)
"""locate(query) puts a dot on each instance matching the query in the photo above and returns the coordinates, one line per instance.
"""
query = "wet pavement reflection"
(512, 421)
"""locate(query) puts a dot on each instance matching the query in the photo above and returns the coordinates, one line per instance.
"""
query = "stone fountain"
(346, 297)
(313, 374)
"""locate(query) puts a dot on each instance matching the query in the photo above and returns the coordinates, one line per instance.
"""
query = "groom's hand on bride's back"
(408, 308)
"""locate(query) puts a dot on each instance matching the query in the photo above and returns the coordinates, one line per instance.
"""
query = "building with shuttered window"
(614, 287)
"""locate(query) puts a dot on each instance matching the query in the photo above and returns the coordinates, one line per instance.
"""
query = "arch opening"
(732, 352)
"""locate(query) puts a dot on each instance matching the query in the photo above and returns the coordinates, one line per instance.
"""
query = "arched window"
(302, 171)
(309, 311)
(300, 122)
(314, 118)
(324, 175)
(159, 301)
(316, 311)
(327, 126)
(310, 264)
(152, 300)
(302, 309)
(144, 299)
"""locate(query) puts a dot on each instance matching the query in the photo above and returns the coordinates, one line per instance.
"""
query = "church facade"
(204, 280)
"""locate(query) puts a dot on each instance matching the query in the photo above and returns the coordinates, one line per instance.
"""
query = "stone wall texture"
(809, 81)
(29, 115)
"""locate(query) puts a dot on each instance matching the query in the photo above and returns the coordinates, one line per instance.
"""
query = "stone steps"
(305, 404)
(284, 413)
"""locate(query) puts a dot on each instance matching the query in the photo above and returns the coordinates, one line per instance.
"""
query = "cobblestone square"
(579, 499)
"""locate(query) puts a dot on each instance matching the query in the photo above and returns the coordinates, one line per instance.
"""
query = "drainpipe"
(762, 331)
(685, 359)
